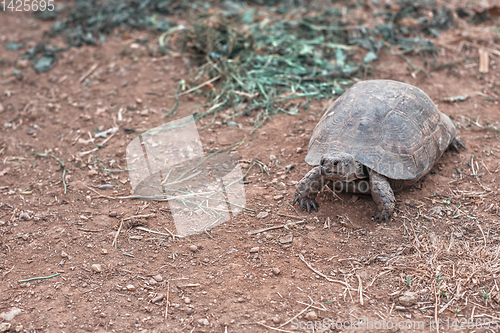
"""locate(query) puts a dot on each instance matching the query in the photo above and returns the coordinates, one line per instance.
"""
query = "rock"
(158, 298)
(158, 278)
(408, 299)
(299, 149)
(276, 320)
(193, 248)
(190, 311)
(25, 216)
(187, 300)
(113, 214)
(96, 268)
(8, 316)
(311, 315)
(22, 63)
(496, 297)
(131, 287)
(104, 251)
(203, 321)
(106, 187)
(254, 249)
(286, 239)
(278, 197)
(64, 255)
(262, 215)
(276, 271)
(4, 327)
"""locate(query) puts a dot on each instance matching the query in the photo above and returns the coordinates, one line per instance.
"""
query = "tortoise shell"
(388, 126)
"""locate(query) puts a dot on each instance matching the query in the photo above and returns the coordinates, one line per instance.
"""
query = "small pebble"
(193, 248)
(104, 251)
(408, 299)
(152, 282)
(190, 311)
(278, 197)
(4, 327)
(276, 320)
(276, 271)
(311, 316)
(286, 239)
(106, 187)
(203, 321)
(158, 278)
(113, 214)
(262, 215)
(131, 287)
(19, 328)
(158, 298)
(64, 254)
(240, 300)
(187, 300)
(254, 249)
(25, 216)
(96, 268)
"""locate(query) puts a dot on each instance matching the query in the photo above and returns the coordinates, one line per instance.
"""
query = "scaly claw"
(458, 142)
(381, 216)
(306, 202)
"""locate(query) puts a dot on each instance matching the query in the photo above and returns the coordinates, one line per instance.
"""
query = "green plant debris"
(263, 58)
(60, 162)
(39, 278)
(258, 60)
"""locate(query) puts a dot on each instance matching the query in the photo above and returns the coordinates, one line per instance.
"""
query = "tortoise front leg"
(383, 196)
(308, 188)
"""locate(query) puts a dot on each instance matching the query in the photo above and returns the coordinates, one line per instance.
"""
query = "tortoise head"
(340, 166)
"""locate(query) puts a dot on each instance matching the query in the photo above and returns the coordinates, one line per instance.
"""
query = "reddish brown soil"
(232, 289)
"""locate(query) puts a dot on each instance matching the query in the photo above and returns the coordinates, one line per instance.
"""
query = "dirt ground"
(442, 245)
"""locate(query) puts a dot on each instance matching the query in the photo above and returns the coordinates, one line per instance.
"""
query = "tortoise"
(380, 136)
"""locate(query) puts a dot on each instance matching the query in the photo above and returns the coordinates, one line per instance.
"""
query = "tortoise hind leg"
(308, 188)
(383, 196)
